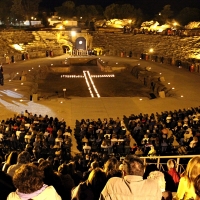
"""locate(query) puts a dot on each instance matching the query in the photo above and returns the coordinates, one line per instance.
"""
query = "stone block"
(162, 94)
(35, 97)
(161, 79)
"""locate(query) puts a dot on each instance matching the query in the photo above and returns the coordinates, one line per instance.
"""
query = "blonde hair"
(171, 163)
(159, 177)
(192, 169)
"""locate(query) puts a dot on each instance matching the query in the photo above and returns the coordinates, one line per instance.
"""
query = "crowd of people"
(36, 160)
(168, 133)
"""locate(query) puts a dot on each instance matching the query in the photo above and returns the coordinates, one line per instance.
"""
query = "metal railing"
(180, 167)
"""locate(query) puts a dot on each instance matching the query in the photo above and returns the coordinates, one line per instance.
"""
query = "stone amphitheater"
(111, 45)
(36, 43)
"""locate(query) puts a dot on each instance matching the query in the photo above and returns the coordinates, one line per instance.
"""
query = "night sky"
(147, 6)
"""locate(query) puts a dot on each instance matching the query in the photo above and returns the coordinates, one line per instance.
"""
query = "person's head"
(111, 164)
(159, 177)
(192, 169)
(40, 160)
(28, 178)
(71, 168)
(171, 163)
(133, 165)
(97, 180)
(24, 157)
(197, 186)
(63, 169)
(12, 158)
(94, 164)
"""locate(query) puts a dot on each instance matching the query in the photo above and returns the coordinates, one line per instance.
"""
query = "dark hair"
(24, 157)
(133, 165)
(28, 178)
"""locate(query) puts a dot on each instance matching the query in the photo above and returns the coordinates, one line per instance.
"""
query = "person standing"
(131, 186)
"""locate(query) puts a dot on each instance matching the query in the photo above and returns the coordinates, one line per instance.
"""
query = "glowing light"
(9, 80)
(168, 83)
(151, 50)
(181, 95)
(73, 33)
(22, 83)
(173, 88)
(15, 89)
(17, 47)
(140, 99)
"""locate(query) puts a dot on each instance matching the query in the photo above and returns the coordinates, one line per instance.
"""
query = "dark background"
(147, 6)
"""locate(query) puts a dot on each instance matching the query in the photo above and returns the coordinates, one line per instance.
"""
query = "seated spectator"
(104, 146)
(86, 148)
(132, 185)
(145, 140)
(152, 151)
(92, 187)
(193, 143)
(28, 180)
(84, 140)
(139, 152)
(186, 185)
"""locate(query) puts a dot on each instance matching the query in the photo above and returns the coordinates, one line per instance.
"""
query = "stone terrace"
(167, 46)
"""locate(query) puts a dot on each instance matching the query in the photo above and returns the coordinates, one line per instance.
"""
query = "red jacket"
(175, 175)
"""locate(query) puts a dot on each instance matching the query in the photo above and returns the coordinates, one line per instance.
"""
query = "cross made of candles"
(89, 81)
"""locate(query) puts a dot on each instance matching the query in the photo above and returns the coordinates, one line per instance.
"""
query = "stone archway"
(80, 43)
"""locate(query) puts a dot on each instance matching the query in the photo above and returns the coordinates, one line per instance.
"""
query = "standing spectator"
(197, 187)
(171, 165)
(11, 160)
(160, 178)
(92, 187)
(111, 168)
(186, 185)
(23, 158)
(132, 185)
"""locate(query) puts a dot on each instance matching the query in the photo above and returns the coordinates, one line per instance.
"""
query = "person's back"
(131, 186)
